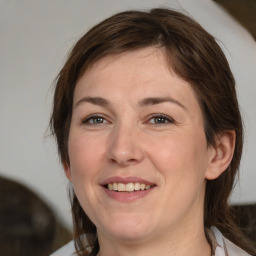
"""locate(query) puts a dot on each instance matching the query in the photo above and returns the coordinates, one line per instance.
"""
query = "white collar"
(224, 247)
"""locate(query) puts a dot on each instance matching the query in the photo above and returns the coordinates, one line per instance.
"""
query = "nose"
(124, 147)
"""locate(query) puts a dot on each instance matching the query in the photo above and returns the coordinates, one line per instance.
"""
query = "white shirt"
(224, 247)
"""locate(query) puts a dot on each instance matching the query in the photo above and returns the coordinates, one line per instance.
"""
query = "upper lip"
(126, 180)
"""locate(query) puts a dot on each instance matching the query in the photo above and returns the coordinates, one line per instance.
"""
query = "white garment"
(224, 247)
(66, 250)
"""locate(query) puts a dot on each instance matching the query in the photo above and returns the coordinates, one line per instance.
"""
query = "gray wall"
(35, 37)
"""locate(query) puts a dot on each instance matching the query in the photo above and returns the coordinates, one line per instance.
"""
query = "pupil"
(160, 120)
(98, 120)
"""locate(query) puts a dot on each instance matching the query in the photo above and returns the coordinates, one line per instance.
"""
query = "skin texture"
(119, 137)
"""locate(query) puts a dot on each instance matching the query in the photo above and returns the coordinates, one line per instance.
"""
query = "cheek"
(180, 160)
(86, 161)
(180, 157)
(85, 155)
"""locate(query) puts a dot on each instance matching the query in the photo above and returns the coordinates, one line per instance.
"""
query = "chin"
(129, 231)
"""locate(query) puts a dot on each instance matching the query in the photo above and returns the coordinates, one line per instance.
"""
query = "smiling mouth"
(128, 187)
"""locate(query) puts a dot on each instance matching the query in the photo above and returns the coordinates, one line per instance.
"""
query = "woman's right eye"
(94, 120)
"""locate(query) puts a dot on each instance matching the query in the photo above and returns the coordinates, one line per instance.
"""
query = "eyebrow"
(93, 100)
(159, 100)
(143, 103)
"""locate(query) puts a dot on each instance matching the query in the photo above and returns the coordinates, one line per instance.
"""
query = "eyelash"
(92, 118)
(161, 117)
(166, 119)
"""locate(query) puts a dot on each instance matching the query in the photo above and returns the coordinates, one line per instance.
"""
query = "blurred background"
(35, 37)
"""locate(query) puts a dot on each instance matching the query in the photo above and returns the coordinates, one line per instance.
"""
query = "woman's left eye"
(160, 119)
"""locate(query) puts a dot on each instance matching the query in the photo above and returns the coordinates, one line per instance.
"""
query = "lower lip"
(127, 196)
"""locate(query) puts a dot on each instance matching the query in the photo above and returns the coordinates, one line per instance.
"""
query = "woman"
(150, 136)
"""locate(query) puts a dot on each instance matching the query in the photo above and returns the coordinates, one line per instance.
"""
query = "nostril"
(132, 160)
(123, 161)
(112, 160)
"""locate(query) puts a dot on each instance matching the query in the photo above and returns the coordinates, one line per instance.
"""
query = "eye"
(95, 120)
(160, 119)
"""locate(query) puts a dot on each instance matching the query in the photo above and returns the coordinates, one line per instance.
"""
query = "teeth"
(114, 186)
(129, 187)
(121, 187)
(137, 186)
(148, 187)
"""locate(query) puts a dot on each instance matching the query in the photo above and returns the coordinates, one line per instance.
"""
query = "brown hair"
(195, 56)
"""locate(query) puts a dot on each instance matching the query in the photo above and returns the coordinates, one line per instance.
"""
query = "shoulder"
(224, 247)
(66, 250)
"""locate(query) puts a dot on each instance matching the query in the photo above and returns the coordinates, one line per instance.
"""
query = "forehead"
(141, 64)
(143, 57)
(141, 73)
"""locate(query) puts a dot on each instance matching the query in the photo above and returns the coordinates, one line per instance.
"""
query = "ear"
(221, 154)
(67, 170)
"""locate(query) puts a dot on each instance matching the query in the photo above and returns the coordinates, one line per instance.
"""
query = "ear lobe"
(67, 170)
(221, 154)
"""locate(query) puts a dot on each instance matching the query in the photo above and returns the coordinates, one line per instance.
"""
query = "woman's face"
(137, 148)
